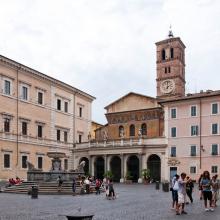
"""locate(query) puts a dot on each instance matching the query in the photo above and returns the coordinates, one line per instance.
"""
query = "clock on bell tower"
(170, 67)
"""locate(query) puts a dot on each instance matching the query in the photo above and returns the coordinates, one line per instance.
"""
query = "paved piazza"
(133, 202)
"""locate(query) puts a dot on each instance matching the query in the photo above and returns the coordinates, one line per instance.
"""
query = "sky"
(107, 47)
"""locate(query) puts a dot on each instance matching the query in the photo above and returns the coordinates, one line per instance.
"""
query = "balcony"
(28, 139)
(133, 142)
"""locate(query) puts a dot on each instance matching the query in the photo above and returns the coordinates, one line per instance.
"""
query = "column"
(122, 168)
(140, 168)
(91, 168)
(106, 165)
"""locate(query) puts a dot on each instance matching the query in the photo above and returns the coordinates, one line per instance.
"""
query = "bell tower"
(170, 67)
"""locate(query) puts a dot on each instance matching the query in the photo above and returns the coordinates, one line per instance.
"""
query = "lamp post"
(200, 156)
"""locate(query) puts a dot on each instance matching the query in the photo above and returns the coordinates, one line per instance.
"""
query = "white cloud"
(107, 48)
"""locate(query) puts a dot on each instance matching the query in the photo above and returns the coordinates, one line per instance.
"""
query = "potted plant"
(146, 175)
(108, 174)
(128, 178)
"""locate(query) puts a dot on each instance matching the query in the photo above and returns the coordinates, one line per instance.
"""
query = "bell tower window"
(171, 53)
(163, 54)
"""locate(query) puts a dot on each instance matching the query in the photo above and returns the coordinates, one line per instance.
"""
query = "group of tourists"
(15, 181)
(86, 183)
(182, 187)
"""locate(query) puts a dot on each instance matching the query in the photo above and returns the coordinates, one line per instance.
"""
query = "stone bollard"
(34, 192)
(157, 186)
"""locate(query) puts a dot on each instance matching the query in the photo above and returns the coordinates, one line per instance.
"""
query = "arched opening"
(121, 131)
(132, 130)
(144, 129)
(133, 167)
(115, 166)
(86, 167)
(154, 164)
(163, 54)
(99, 167)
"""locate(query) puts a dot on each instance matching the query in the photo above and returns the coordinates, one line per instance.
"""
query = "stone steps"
(49, 188)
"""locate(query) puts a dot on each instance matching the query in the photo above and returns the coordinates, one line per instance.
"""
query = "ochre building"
(38, 114)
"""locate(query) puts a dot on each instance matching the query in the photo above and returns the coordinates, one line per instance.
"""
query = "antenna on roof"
(170, 33)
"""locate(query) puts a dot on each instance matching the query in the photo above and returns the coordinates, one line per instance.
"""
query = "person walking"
(111, 190)
(181, 194)
(189, 188)
(74, 186)
(206, 189)
(200, 187)
(59, 183)
(174, 190)
(215, 190)
(97, 186)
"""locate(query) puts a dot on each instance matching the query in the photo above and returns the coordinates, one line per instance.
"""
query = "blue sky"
(107, 47)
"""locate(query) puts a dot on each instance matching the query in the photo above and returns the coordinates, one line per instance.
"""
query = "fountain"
(56, 170)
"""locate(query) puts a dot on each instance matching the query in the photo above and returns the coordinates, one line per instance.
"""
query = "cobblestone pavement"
(141, 202)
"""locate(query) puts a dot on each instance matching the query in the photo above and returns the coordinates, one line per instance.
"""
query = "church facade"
(172, 133)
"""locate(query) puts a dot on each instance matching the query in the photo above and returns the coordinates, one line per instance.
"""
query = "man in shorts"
(181, 194)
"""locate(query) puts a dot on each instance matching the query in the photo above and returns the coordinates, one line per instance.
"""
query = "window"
(7, 87)
(80, 138)
(192, 170)
(169, 69)
(58, 135)
(214, 169)
(121, 131)
(165, 70)
(163, 54)
(193, 150)
(66, 106)
(40, 131)
(193, 111)
(214, 128)
(215, 108)
(24, 161)
(171, 53)
(173, 152)
(65, 136)
(144, 129)
(173, 132)
(40, 98)
(65, 164)
(24, 94)
(24, 128)
(80, 112)
(173, 112)
(6, 125)
(6, 160)
(194, 130)
(214, 149)
(40, 162)
(132, 130)
(58, 104)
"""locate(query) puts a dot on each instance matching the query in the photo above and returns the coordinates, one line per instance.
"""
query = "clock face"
(167, 86)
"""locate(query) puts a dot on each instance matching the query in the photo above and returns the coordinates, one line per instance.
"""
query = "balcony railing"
(122, 142)
(35, 140)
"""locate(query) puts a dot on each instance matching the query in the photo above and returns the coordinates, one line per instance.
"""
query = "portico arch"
(99, 166)
(86, 167)
(115, 167)
(154, 164)
(133, 167)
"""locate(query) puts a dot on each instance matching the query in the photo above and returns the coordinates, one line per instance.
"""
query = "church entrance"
(99, 167)
(133, 167)
(115, 166)
(154, 164)
(86, 167)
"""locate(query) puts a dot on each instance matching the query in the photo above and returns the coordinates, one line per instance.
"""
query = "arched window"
(171, 53)
(121, 131)
(132, 130)
(163, 54)
(144, 129)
